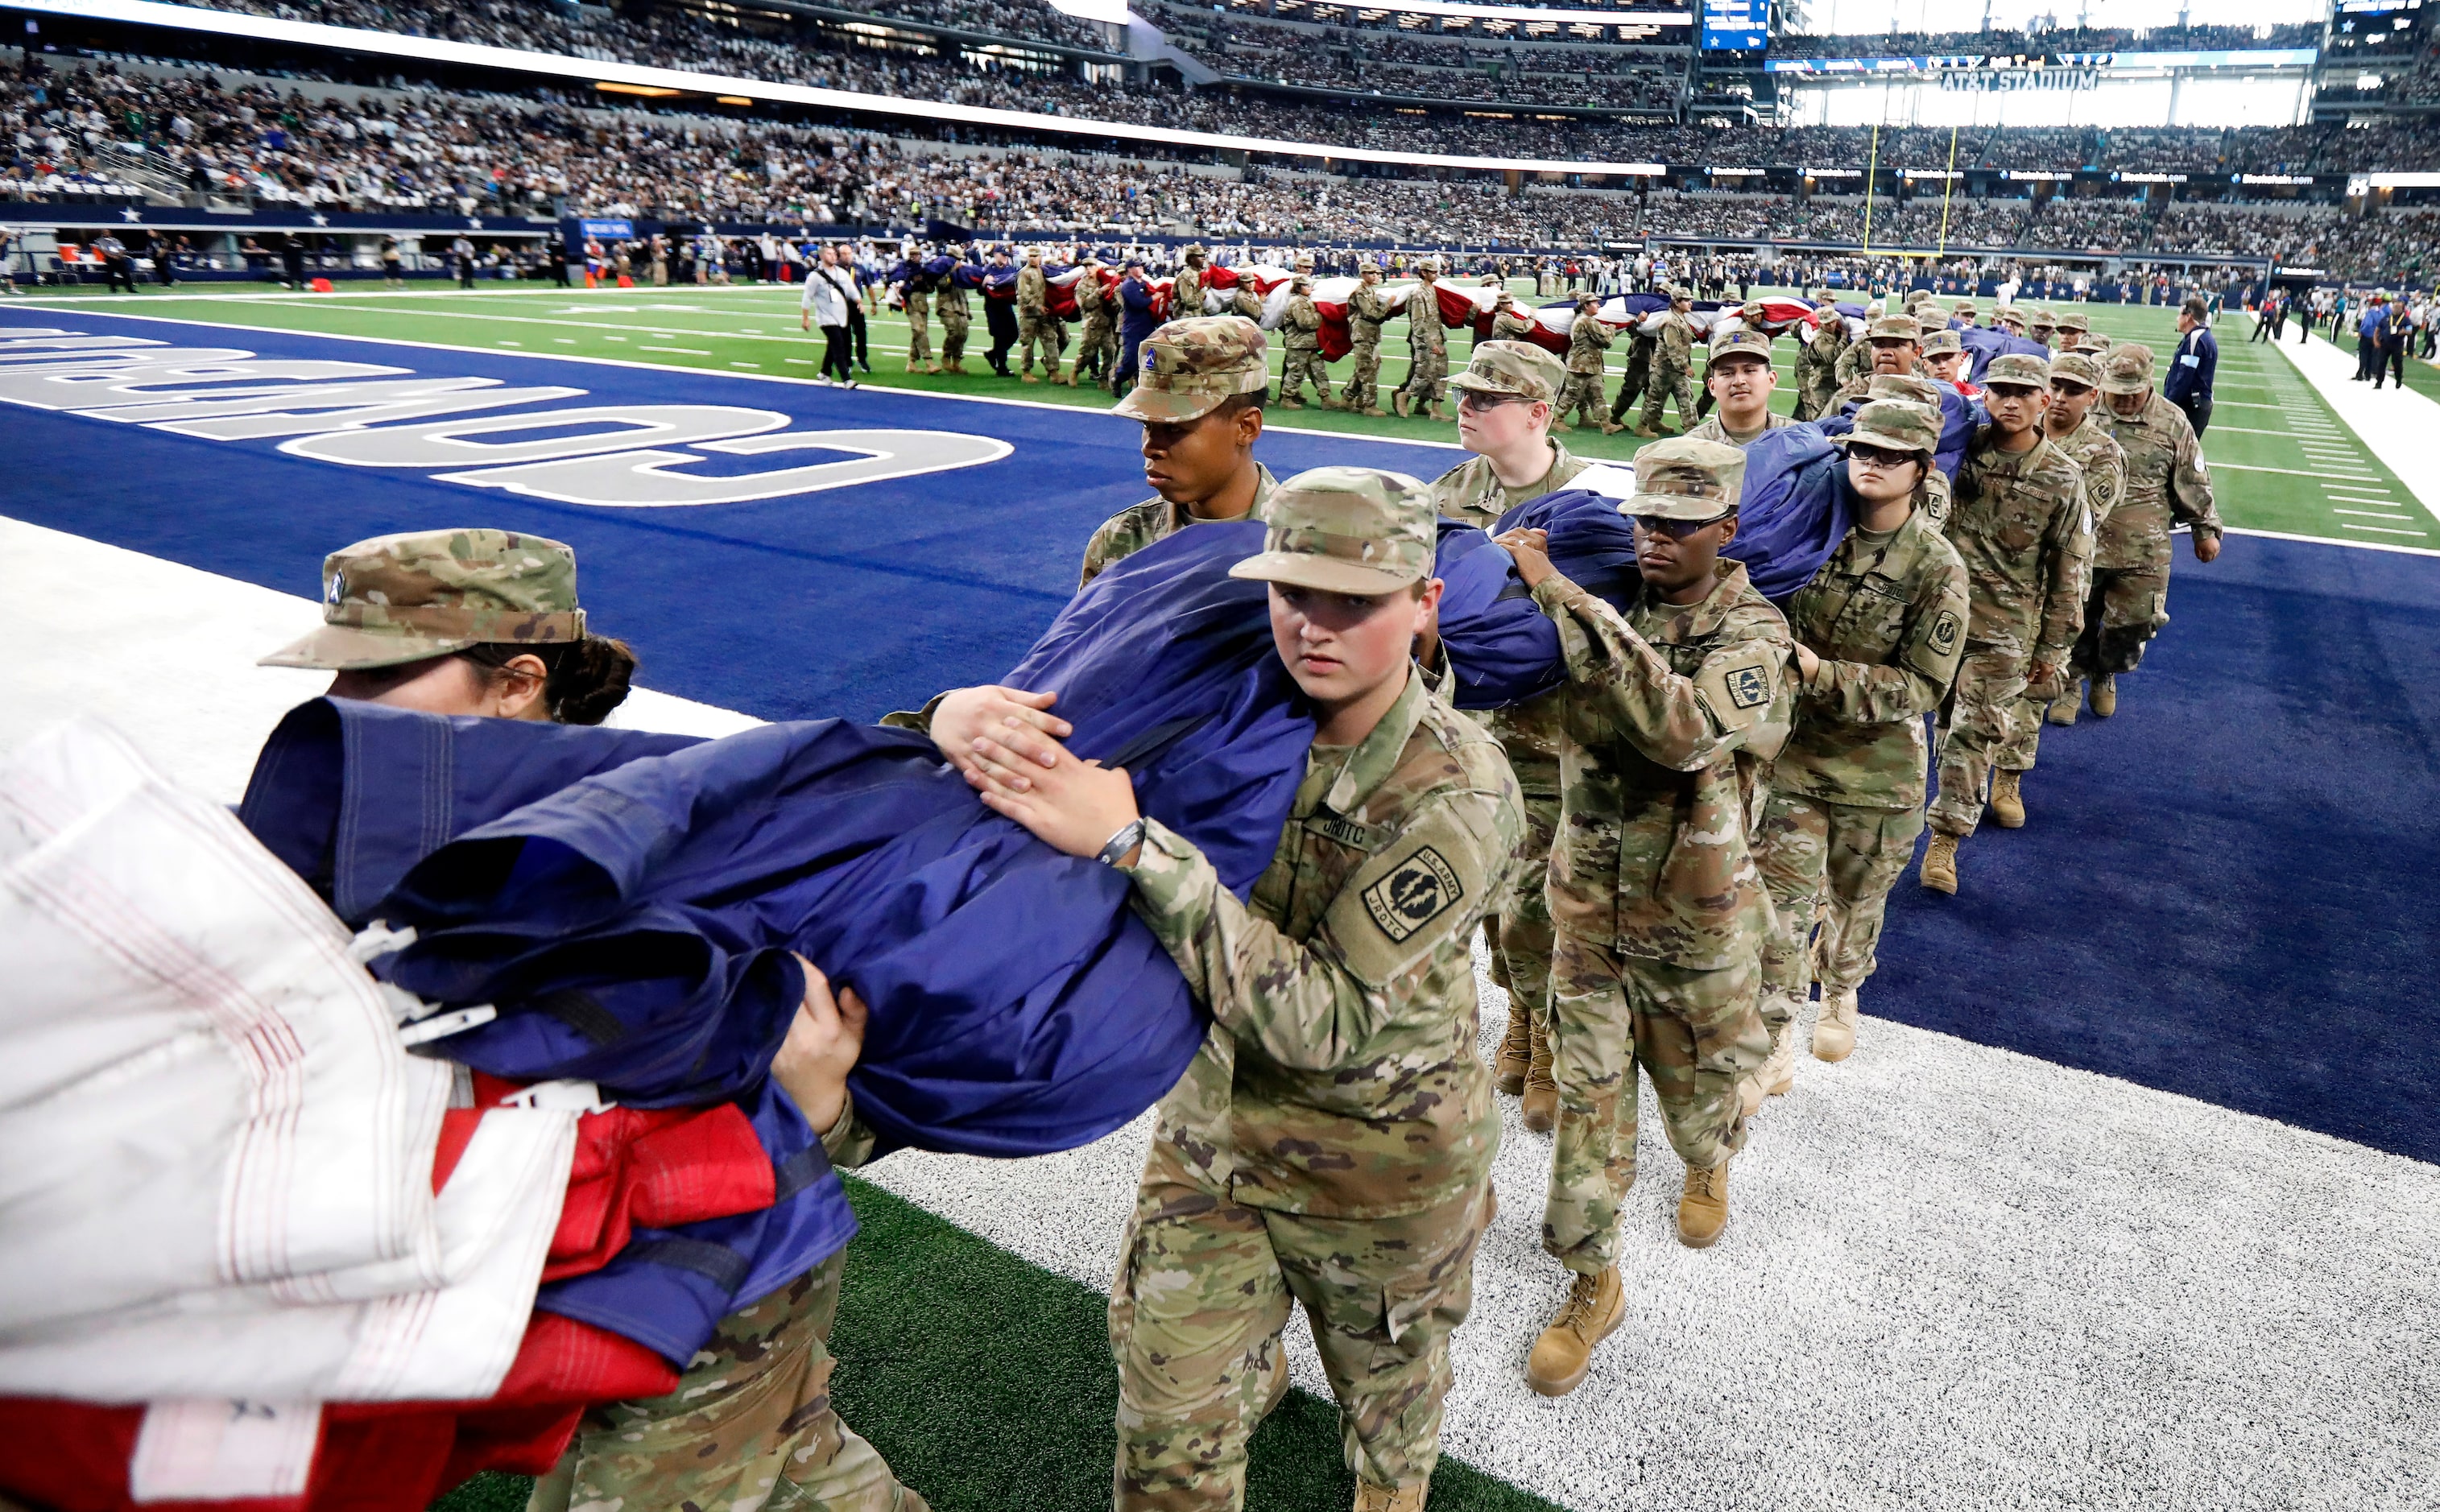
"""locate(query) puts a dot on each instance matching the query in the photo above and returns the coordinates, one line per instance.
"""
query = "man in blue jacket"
(2193, 365)
(1135, 322)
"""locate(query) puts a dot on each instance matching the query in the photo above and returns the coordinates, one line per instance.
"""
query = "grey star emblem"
(473, 222)
(319, 219)
(131, 215)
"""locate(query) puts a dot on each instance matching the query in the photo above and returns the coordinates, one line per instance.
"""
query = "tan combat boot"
(2064, 707)
(934, 369)
(1027, 377)
(1442, 416)
(913, 366)
(2104, 696)
(1516, 1051)
(1939, 864)
(1611, 427)
(1596, 1306)
(1703, 1208)
(1779, 1072)
(1376, 412)
(2007, 799)
(1404, 405)
(1291, 403)
(1541, 1102)
(1647, 433)
(1371, 1498)
(1834, 1030)
(1563, 425)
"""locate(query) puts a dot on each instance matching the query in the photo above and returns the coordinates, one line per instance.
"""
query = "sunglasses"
(1676, 529)
(1876, 456)
(1484, 403)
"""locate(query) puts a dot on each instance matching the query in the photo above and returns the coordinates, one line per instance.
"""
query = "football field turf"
(2129, 1199)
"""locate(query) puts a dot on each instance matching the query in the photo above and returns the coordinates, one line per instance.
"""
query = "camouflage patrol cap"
(2073, 321)
(1895, 425)
(1940, 342)
(1346, 530)
(1895, 327)
(1191, 365)
(2076, 367)
(1682, 478)
(1193, 249)
(2018, 370)
(1429, 267)
(1033, 252)
(1514, 370)
(1965, 307)
(1821, 301)
(1676, 295)
(1906, 386)
(2040, 320)
(1752, 310)
(2093, 342)
(1367, 265)
(2127, 369)
(1745, 342)
(402, 599)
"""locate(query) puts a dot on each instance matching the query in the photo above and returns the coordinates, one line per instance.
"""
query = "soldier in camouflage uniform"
(395, 600)
(1673, 353)
(2167, 484)
(1366, 311)
(2074, 426)
(1672, 714)
(1639, 345)
(1300, 347)
(1330, 1144)
(1816, 360)
(1504, 398)
(1856, 360)
(1738, 373)
(1510, 320)
(2041, 326)
(1186, 286)
(1879, 633)
(1925, 394)
(1749, 318)
(1096, 348)
(1892, 344)
(1033, 323)
(1200, 400)
(955, 315)
(2073, 328)
(1587, 339)
(1944, 354)
(2022, 527)
(1426, 346)
(918, 295)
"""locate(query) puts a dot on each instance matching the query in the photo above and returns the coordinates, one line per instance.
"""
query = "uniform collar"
(2143, 416)
(1265, 484)
(1376, 756)
(1684, 622)
(2016, 463)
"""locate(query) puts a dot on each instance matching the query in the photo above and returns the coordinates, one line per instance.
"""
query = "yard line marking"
(565, 341)
(2367, 514)
(2293, 473)
(757, 366)
(2240, 430)
(684, 351)
(2383, 530)
(2356, 488)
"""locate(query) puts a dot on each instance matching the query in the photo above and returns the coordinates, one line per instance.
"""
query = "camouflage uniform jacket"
(1668, 717)
(1854, 360)
(1424, 332)
(1032, 291)
(1186, 294)
(1675, 335)
(1529, 732)
(1138, 525)
(1366, 311)
(1300, 326)
(1090, 300)
(1715, 429)
(2168, 483)
(1816, 360)
(1340, 1079)
(1247, 303)
(1512, 324)
(2021, 523)
(1889, 624)
(1586, 340)
(2103, 462)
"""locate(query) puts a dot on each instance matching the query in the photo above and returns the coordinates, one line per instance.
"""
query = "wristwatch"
(1115, 851)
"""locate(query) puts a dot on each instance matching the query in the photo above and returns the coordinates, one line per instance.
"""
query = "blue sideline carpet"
(2225, 892)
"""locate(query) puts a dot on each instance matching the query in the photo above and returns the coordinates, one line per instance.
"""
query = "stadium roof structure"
(643, 79)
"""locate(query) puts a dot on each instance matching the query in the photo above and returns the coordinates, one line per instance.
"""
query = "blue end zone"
(2225, 892)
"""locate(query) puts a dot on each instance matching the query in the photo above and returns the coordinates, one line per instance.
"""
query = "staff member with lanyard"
(2188, 384)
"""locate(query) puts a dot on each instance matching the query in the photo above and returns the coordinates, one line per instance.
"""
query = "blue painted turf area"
(2227, 892)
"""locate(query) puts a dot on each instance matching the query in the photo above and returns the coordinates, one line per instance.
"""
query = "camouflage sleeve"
(1320, 1004)
(2067, 554)
(2190, 486)
(2104, 483)
(917, 720)
(1916, 677)
(1601, 335)
(1739, 700)
(1097, 554)
(850, 1141)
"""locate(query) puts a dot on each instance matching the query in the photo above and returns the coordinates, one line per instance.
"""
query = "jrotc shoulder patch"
(1944, 632)
(1749, 688)
(1421, 888)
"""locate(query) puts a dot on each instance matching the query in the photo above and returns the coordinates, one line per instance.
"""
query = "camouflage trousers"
(1630, 388)
(1300, 364)
(1202, 1296)
(2123, 611)
(1096, 348)
(1813, 401)
(1668, 381)
(1426, 378)
(749, 1429)
(1363, 385)
(1696, 1035)
(1522, 934)
(1833, 863)
(1580, 396)
(952, 335)
(919, 334)
(1035, 333)
(1977, 725)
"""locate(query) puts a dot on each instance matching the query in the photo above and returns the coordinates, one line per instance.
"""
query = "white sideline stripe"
(2394, 425)
(2326, 541)
(2072, 1291)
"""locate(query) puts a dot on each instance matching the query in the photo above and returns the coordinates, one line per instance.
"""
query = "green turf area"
(974, 1373)
(2281, 460)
